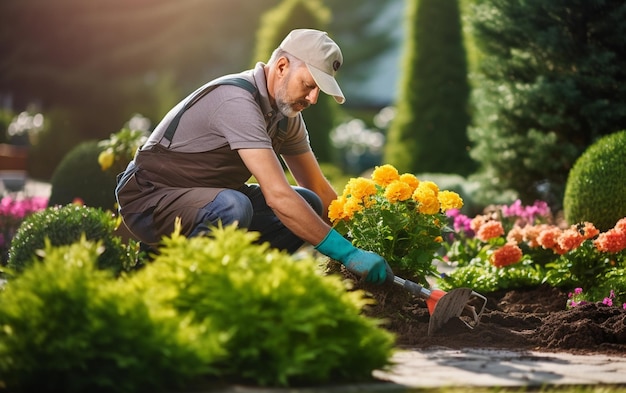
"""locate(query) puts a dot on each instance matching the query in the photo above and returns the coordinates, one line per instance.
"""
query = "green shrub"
(289, 324)
(64, 225)
(68, 327)
(595, 186)
(79, 176)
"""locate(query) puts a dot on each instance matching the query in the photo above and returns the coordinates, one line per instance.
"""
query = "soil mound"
(523, 319)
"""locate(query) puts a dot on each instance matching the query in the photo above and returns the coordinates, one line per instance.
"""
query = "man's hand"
(369, 264)
(361, 262)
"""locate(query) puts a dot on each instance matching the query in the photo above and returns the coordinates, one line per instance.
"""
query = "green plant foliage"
(583, 267)
(288, 323)
(429, 132)
(79, 176)
(595, 187)
(483, 277)
(614, 281)
(550, 82)
(64, 225)
(69, 327)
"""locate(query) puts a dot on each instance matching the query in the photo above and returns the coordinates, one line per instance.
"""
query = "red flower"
(489, 230)
(611, 241)
(570, 239)
(549, 238)
(508, 254)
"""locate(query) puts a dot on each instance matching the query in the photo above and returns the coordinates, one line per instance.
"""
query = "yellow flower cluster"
(106, 158)
(360, 193)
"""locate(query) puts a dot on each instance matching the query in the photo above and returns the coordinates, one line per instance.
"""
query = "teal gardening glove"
(354, 259)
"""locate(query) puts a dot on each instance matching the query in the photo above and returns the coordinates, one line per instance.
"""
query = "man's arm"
(301, 219)
(287, 204)
(306, 170)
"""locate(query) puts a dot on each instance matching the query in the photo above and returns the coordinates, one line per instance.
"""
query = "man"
(195, 163)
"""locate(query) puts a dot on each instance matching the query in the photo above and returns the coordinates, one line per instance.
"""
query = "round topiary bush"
(64, 225)
(79, 176)
(595, 190)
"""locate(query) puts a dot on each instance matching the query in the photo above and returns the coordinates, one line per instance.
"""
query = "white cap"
(321, 55)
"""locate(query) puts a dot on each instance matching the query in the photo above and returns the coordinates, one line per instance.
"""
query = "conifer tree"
(275, 25)
(551, 82)
(429, 132)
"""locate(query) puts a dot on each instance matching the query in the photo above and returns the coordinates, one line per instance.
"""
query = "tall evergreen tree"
(552, 80)
(275, 25)
(429, 132)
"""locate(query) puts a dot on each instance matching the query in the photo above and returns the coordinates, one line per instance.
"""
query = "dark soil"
(522, 319)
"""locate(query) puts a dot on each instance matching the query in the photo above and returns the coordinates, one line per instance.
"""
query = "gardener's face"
(296, 91)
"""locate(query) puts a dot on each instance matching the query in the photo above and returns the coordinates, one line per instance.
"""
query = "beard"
(287, 106)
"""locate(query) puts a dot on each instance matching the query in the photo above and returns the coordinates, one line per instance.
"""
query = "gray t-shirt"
(230, 115)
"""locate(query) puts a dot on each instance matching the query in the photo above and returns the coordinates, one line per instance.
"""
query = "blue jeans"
(247, 207)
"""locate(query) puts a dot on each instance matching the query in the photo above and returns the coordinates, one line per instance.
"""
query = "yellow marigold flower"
(398, 191)
(430, 185)
(385, 174)
(449, 200)
(106, 159)
(360, 189)
(335, 209)
(438, 239)
(411, 180)
(350, 207)
(426, 199)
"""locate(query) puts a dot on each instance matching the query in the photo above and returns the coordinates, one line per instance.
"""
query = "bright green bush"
(64, 225)
(79, 176)
(69, 327)
(595, 186)
(289, 324)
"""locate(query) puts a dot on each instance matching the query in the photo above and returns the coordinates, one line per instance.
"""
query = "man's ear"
(282, 66)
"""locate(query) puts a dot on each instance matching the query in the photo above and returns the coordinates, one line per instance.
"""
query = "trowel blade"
(450, 305)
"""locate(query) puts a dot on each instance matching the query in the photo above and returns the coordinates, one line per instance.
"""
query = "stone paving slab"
(501, 368)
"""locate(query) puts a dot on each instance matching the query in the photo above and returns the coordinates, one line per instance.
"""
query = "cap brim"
(327, 84)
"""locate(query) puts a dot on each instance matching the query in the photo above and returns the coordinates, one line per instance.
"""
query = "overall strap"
(281, 134)
(201, 92)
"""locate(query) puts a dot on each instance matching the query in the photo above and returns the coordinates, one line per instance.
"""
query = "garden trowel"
(459, 302)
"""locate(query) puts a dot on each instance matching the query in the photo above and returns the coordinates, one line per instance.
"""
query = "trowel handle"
(412, 287)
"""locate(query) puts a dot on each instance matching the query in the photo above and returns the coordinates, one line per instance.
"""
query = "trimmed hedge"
(595, 189)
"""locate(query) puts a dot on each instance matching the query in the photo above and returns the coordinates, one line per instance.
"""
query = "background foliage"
(548, 84)
(432, 110)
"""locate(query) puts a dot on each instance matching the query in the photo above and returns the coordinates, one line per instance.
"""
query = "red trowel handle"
(431, 296)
